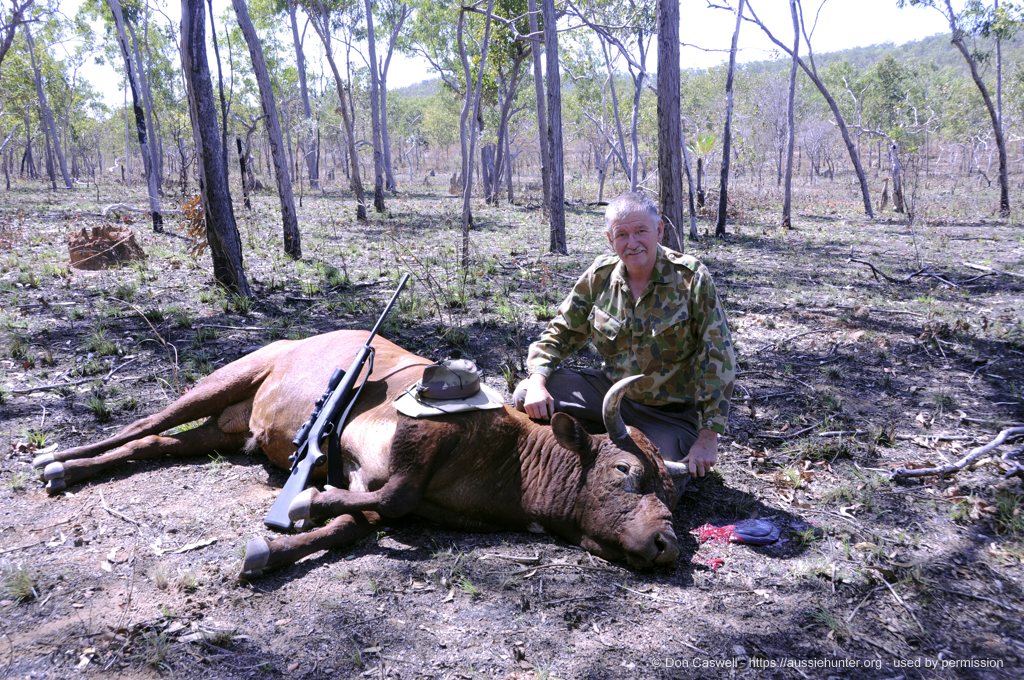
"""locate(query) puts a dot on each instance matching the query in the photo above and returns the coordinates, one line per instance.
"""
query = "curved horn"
(676, 469)
(613, 421)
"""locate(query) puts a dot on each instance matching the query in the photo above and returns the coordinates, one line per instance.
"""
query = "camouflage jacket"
(676, 335)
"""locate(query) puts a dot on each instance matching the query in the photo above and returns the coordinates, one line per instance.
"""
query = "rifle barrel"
(394, 298)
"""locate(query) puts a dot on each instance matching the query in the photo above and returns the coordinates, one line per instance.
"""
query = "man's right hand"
(538, 402)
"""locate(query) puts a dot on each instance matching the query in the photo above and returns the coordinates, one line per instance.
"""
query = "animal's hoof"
(257, 554)
(298, 509)
(53, 471)
(55, 486)
(42, 460)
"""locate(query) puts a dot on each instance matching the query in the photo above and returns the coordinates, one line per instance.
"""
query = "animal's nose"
(667, 548)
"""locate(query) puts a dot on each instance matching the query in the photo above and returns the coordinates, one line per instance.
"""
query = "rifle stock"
(327, 420)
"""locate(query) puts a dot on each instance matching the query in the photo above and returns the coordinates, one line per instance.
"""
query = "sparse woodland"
(864, 231)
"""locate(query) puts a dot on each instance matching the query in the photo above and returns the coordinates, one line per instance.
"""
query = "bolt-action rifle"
(326, 423)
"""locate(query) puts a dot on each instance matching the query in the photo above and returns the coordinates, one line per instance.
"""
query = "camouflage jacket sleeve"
(716, 358)
(570, 329)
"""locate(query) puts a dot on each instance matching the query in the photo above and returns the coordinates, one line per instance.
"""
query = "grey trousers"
(673, 429)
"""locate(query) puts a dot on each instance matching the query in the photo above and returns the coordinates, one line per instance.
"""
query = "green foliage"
(98, 343)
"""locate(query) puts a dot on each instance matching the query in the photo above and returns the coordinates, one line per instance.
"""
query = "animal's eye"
(622, 467)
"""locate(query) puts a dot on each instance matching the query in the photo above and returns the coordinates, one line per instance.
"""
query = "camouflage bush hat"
(452, 379)
(453, 386)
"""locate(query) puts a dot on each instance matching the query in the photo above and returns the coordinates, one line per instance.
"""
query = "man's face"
(635, 237)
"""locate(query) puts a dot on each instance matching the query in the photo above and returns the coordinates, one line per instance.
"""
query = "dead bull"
(486, 470)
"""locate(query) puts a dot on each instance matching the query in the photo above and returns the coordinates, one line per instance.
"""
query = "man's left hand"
(703, 454)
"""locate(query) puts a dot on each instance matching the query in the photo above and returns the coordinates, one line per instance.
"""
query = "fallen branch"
(983, 268)
(974, 454)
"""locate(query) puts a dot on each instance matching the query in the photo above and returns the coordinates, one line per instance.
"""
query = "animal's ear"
(570, 434)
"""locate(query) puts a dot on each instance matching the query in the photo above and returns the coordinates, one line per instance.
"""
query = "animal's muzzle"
(659, 548)
(666, 547)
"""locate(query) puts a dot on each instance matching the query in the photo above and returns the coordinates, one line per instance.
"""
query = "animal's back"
(299, 374)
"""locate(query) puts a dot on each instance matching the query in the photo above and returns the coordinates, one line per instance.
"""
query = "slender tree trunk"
(469, 127)
(7, 32)
(620, 150)
(389, 175)
(321, 20)
(243, 163)
(224, 108)
(309, 146)
(49, 128)
(1004, 178)
(542, 115)
(378, 153)
(691, 194)
(787, 193)
(289, 220)
(554, 89)
(138, 106)
(147, 100)
(851, 147)
(723, 191)
(508, 92)
(221, 230)
(670, 168)
(508, 169)
(897, 178)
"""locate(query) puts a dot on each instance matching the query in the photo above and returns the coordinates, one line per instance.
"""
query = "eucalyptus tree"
(787, 193)
(963, 25)
(221, 229)
(467, 134)
(393, 16)
(309, 139)
(510, 51)
(289, 220)
(141, 107)
(322, 14)
(556, 209)
(378, 153)
(811, 70)
(670, 138)
(9, 24)
(589, 100)
(541, 108)
(627, 28)
(723, 189)
(53, 146)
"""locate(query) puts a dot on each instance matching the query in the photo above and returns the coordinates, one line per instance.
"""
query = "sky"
(705, 32)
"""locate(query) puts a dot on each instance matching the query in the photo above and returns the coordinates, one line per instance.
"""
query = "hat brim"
(486, 398)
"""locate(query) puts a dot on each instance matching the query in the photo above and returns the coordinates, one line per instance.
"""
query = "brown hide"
(483, 470)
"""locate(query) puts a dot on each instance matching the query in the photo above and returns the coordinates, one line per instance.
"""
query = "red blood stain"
(709, 532)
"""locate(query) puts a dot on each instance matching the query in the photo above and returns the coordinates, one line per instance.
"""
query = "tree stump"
(103, 247)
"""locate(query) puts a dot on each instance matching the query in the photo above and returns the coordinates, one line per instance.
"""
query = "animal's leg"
(229, 385)
(203, 439)
(262, 555)
(399, 496)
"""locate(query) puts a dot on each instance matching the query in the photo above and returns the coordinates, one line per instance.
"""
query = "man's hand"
(703, 454)
(538, 403)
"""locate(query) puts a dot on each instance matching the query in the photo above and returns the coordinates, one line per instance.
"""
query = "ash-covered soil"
(845, 376)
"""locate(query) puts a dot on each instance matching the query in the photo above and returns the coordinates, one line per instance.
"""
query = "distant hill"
(936, 51)
(424, 88)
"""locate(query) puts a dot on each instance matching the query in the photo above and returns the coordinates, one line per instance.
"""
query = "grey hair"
(629, 203)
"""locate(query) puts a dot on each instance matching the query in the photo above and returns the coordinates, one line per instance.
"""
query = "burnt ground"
(844, 376)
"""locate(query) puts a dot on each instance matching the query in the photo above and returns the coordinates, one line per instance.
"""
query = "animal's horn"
(676, 469)
(613, 421)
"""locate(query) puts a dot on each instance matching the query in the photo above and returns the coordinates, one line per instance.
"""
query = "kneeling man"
(649, 311)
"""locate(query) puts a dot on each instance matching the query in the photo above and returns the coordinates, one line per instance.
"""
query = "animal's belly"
(366, 444)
